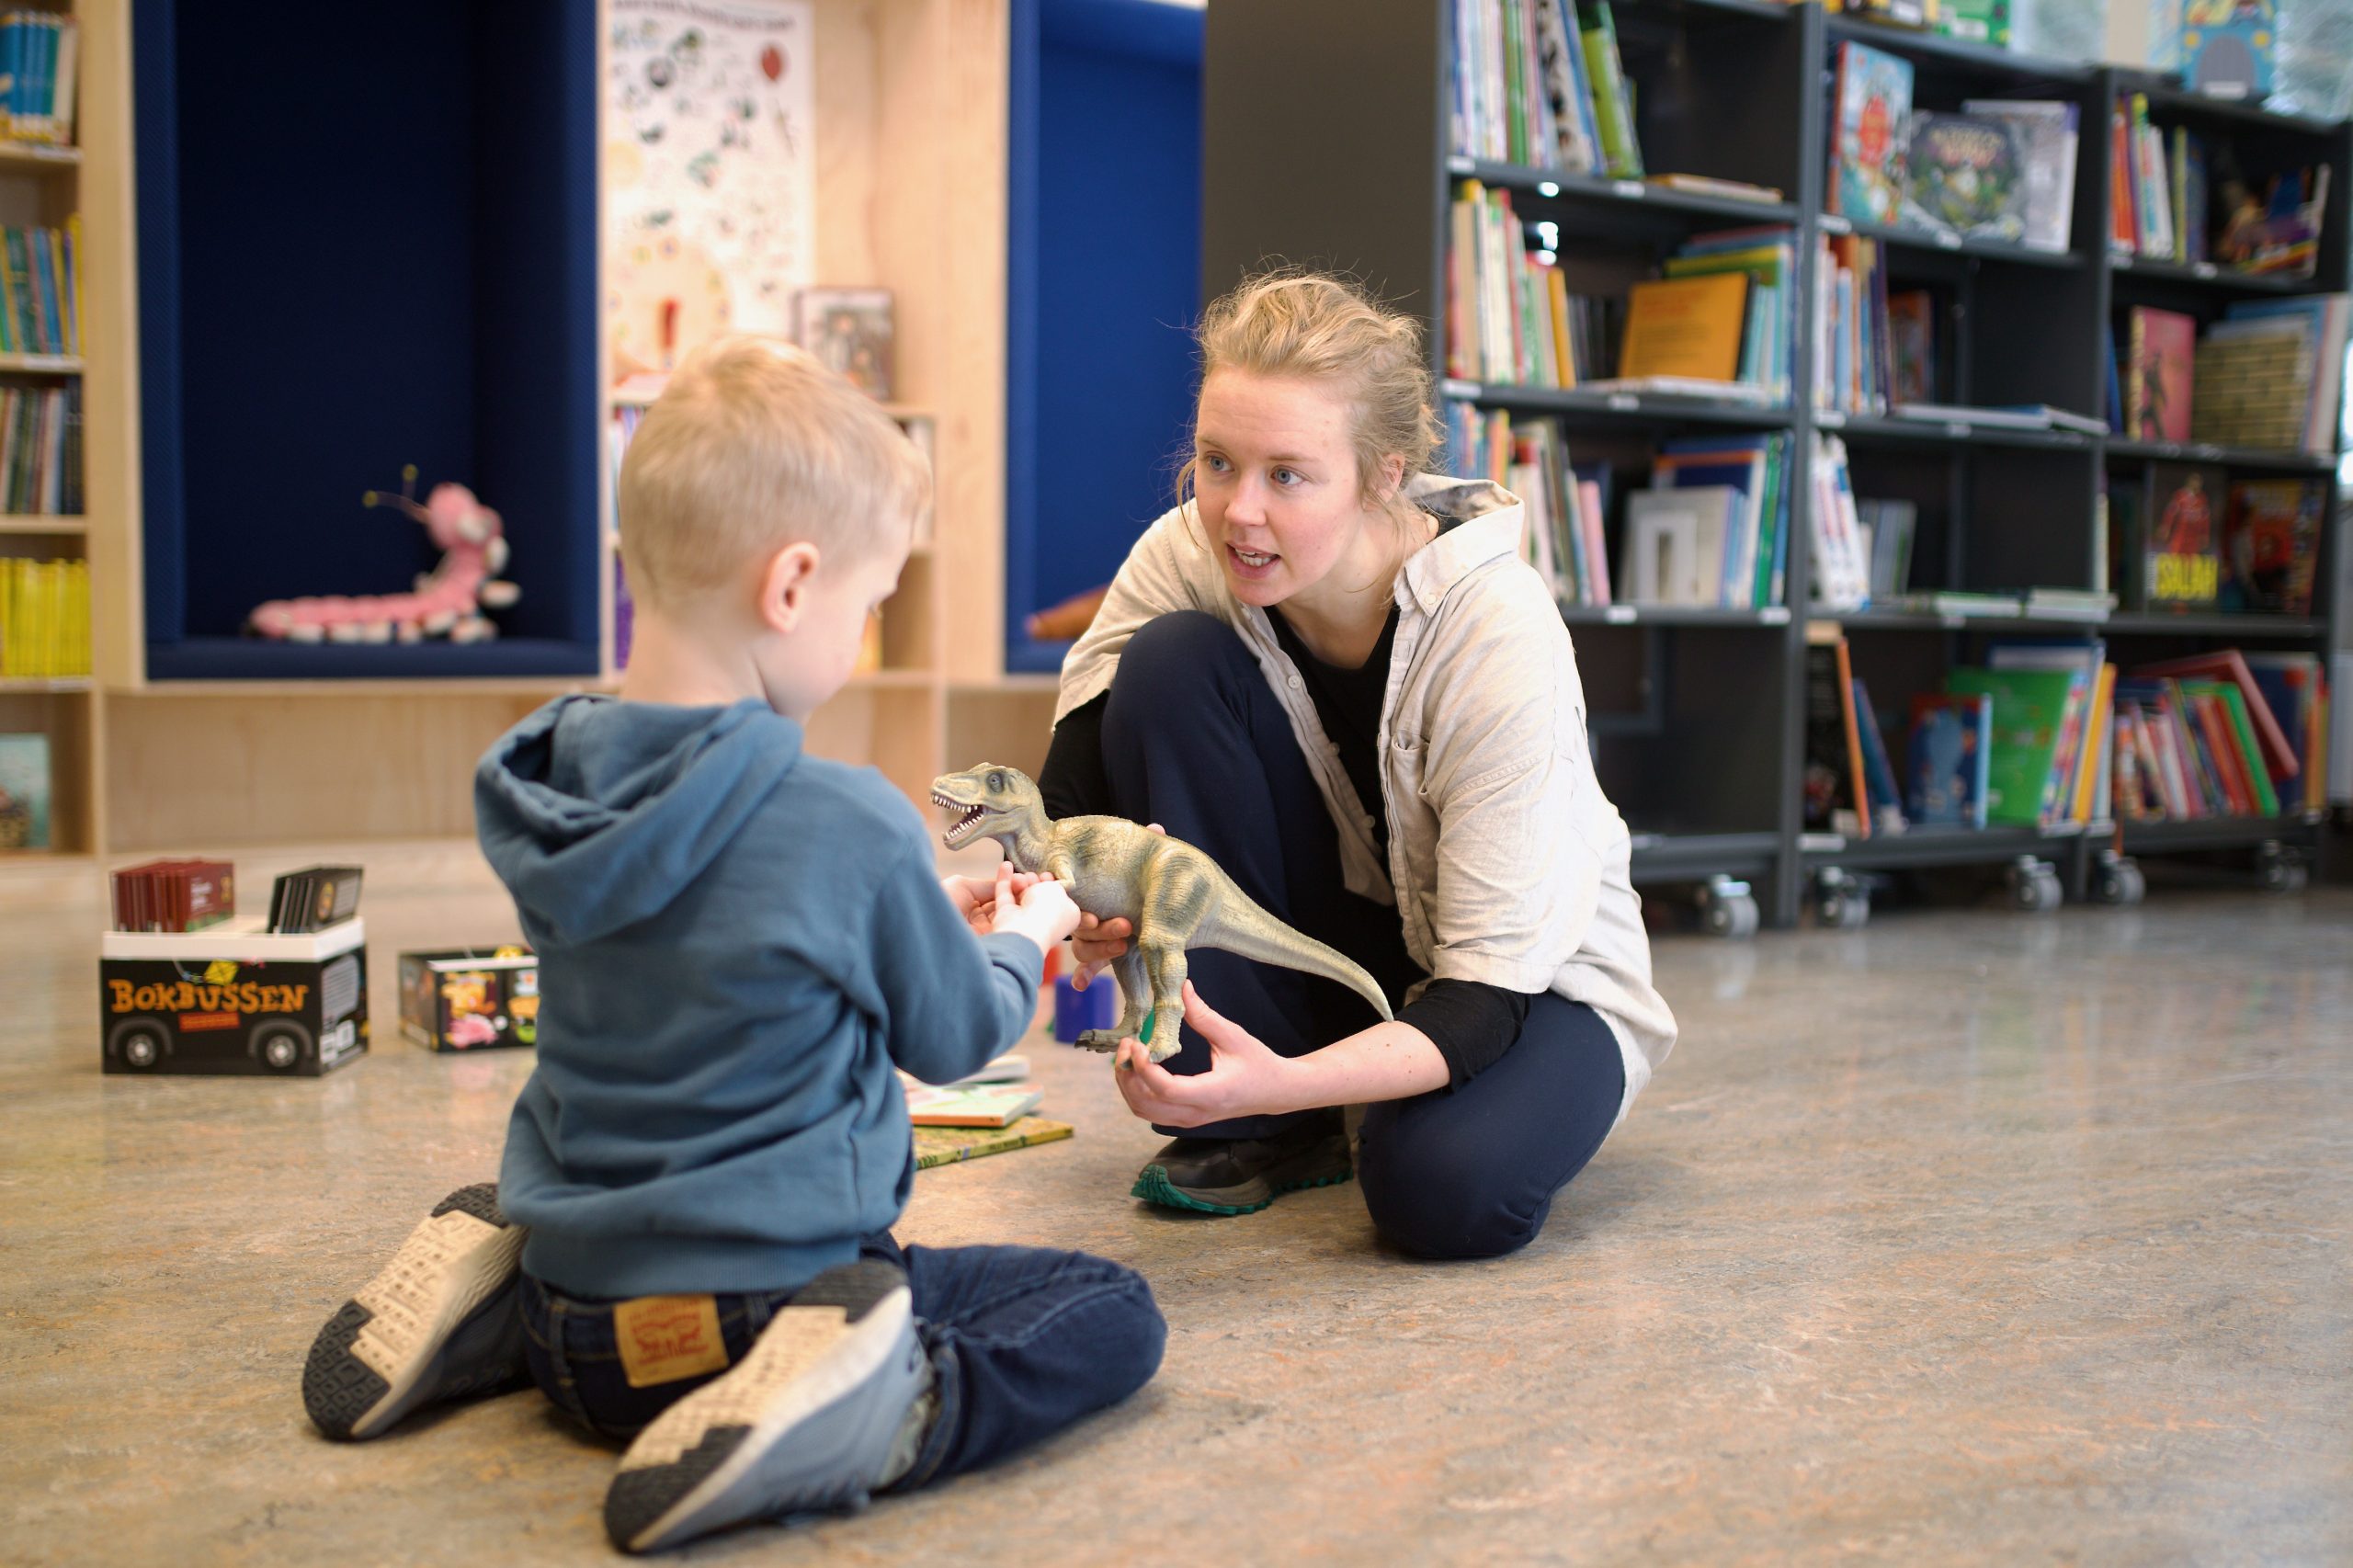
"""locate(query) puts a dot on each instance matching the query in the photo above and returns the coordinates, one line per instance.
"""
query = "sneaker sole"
(675, 1482)
(1153, 1186)
(373, 1361)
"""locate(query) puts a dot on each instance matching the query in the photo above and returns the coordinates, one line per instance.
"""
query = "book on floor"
(977, 1105)
(936, 1146)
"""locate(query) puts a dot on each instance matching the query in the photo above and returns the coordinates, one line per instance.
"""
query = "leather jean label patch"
(663, 1338)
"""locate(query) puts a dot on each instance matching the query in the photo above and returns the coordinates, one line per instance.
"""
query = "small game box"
(234, 1000)
(471, 998)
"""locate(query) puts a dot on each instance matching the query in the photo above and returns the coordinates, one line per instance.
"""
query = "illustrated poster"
(711, 172)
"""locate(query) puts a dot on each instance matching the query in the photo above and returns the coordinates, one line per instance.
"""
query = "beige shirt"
(1512, 862)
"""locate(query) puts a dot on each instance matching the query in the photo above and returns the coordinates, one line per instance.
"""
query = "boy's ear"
(785, 585)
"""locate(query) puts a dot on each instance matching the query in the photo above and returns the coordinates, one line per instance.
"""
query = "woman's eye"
(1214, 463)
(1288, 477)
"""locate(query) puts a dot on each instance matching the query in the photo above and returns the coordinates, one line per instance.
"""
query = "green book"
(2233, 702)
(1515, 87)
(1613, 106)
(2030, 710)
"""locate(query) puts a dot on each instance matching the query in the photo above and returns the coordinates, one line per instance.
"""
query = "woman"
(1335, 673)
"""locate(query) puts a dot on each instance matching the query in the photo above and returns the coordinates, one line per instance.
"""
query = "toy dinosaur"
(1173, 894)
(446, 602)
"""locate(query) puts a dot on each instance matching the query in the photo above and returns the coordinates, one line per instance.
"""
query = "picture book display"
(1871, 108)
(25, 792)
(2184, 522)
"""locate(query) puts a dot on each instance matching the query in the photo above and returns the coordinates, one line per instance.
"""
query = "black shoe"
(1241, 1175)
(440, 1321)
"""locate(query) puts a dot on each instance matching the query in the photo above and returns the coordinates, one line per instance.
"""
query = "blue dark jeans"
(1195, 740)
(1023, 1341)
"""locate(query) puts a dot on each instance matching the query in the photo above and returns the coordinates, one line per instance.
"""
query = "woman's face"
(1275, 478)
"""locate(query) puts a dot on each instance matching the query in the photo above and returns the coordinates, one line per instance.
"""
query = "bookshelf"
(1699, 716)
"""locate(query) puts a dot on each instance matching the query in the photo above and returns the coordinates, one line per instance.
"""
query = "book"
(849, 331)
(1675, 545)
(1750, 467)
(1560, 45)
(2047, 136)
(2029, 709)
(1870, 107)
(1613, 102)
(2123, 221)
(977, 1105)
(1686, 327)
(1888, 528)
(2230, 667)
(1965, 175)
(2271, 546)
(936, 1146)
(2326, 321)
(1885, 798)
(1974, 21)
(2291, 687)
(2073, 759)
(2152, 192)
(2184, 549)
(1912, 340)
(24, 792)
(1835, 794)
(1948, 757)
(2229, 48)
(2233, 724)
(2157, 377)
(1708, 185)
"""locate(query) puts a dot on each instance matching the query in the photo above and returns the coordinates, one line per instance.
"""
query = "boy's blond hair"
(754, 445)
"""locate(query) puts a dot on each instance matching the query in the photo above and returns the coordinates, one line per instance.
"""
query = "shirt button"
(1294, 683)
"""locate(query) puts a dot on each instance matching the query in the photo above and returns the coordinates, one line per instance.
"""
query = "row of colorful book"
(1537, 83)
(37, 55)
(2001, 169)
(1874, 346)
(44, 619)
(2268, 376)
(41, 292)
(40, 450)
(2179, 195)
(2189, 537)
(986, 1113)
(2047, 734)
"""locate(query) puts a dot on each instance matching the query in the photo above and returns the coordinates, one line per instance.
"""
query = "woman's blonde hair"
(1315, 327)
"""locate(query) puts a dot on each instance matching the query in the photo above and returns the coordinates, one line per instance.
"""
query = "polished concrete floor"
(1967, 1237)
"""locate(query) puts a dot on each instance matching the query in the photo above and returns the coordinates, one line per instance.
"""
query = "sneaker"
(829, 1405)
(1241, 1175)
(438, 1323)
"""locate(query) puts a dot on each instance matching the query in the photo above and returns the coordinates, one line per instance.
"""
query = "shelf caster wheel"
(2034, 886)
(1728, 909)
(2117, 880)
(2278, 869)
(1841, 901)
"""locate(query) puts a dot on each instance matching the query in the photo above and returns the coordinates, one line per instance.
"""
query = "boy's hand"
(977, 898)
(1044, 913)
(1097, 942)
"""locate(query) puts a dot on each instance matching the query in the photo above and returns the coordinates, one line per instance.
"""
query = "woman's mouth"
(1250, 563)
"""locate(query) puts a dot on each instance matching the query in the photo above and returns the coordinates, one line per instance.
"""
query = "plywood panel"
(233, 770)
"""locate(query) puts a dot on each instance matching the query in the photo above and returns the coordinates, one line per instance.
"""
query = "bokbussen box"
(234, 1000)
(471, 999)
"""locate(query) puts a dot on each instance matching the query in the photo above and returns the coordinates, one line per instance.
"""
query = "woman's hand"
(975, 898)
(1097, 942)
(1244, 1078)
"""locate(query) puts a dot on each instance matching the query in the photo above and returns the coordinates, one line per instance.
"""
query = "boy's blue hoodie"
(737, 944)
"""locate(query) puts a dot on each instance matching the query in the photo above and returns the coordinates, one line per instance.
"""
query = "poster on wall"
(710, 173)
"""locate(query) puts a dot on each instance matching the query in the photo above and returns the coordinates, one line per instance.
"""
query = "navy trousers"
(1023, 1341)
(1193, 739)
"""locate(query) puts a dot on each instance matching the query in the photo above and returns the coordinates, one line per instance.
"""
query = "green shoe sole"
(1153, 1186)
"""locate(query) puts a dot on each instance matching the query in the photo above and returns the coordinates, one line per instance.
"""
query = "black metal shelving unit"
(1325, 143)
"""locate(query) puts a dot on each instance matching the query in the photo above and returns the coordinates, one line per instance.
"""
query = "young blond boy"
(689, 1246)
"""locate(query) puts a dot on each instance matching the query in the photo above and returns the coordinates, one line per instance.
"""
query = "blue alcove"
(1104, 285)
(366, 237)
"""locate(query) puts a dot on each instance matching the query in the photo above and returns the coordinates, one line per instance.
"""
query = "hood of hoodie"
(596, 813)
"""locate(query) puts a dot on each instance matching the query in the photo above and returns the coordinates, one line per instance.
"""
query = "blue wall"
(1105, 284)
(367, 238)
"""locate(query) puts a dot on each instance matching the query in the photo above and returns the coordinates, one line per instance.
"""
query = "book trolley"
(1328, 144)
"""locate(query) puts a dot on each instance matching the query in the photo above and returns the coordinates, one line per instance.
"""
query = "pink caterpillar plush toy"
(448, 600)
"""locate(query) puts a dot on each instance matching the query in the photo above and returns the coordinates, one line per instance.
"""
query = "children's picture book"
(2230, 667)
(2163, 350)
(848, 330)
(2185, 547)
(1912, 335)
(1871, 110)
(2048, 136)
(2271, 546)
(1965, 175)
(1947, 760)
(2229, 48)
(1686, 326)
(1613, 94)
(937, 1146)
(1674, 544)
(975, 1105)
(1835, 793)
(2029, 715)
(24, 792)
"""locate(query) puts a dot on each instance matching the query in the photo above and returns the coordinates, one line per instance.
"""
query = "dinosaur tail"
(1241, 926)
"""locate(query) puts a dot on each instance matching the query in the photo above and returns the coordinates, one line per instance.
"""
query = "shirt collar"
(1488, 521)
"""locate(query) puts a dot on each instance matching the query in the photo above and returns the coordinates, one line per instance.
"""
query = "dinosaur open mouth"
(954, 838)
